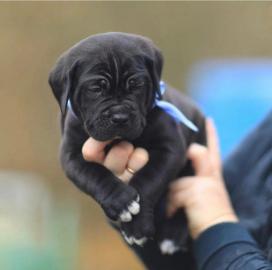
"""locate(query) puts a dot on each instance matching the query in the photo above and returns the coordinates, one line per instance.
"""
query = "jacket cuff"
(216, 237)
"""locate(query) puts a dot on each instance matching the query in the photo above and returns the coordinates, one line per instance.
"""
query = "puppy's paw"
(131, 240)
(139, 229)
(132, 209)
(122, 204)
(173, 234)
(168, 247)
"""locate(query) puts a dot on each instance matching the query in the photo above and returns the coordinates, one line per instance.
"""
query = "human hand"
(203, 196)
(123, 159)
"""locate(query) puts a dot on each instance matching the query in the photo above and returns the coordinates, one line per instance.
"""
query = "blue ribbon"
(169, 108)
(173, 111)
(69, 105)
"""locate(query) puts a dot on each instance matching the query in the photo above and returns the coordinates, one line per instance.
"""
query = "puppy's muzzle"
(119, 115)
(119, 118)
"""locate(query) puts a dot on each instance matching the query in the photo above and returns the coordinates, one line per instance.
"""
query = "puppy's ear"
(61, 82)
(154, 62)
(157, 70)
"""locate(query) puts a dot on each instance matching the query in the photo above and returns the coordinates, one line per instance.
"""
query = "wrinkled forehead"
(113, 62)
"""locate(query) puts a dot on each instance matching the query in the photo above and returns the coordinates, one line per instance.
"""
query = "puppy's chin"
(101, 134)
(111, 133)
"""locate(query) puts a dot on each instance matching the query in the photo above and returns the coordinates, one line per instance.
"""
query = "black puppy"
(108, 87)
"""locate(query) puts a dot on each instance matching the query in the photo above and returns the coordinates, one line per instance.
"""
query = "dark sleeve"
(251, 158)
(248, 178)
(228, 246)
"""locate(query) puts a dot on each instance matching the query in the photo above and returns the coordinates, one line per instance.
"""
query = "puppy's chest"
(161, 131)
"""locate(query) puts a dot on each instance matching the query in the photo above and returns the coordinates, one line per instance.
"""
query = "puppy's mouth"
(104, 130)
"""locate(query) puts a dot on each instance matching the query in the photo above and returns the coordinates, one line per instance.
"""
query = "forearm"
(228, 246)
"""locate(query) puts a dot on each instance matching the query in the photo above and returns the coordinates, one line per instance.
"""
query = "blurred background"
(217, 52)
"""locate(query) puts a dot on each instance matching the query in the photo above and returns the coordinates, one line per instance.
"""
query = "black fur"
(112, 80)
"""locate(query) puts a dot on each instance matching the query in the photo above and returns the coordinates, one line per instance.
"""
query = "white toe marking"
(129, 240)
(140, 242)
(168, 247)
(125, 216)
(134, 208)
(138, 199)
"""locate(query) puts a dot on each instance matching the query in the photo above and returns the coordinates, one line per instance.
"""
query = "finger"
(93, 150)
(181, 183)
(125, 176)
(137, 160)
(117, 158)
(200, 157)
(176, 201)
(213, 144)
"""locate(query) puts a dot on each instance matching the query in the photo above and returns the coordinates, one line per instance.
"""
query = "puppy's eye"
(103, 84)
(135, 82)
(99, 86)
(132, 83)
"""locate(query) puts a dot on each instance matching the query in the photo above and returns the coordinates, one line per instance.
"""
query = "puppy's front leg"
(118, 200)
(167, 155)
(150, 182)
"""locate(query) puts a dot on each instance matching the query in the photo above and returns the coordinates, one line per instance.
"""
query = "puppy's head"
(111, 80)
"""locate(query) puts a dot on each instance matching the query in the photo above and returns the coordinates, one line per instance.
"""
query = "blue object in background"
(236, 93)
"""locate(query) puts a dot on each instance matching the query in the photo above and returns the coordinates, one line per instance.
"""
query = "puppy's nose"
(119, 118)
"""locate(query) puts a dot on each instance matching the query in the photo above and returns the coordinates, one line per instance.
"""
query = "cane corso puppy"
(108, 88)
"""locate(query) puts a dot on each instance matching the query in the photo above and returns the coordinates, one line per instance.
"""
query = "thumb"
(200, 157)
